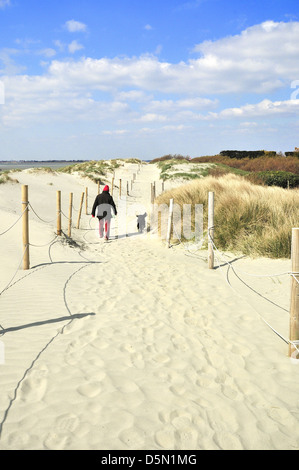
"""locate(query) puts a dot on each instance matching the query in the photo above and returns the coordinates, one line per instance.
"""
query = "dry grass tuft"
(251, 219)
(5, 178)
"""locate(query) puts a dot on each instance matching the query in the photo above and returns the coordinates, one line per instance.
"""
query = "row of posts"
(120, 186)
(25, 211)
(25, 218)
(210, 226)
(294, 308)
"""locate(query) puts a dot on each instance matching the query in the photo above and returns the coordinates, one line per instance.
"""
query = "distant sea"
(54, 165)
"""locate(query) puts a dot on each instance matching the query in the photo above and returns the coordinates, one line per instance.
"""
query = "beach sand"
(129, 345)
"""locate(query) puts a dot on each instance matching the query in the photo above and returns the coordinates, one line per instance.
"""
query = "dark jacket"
(104, 202)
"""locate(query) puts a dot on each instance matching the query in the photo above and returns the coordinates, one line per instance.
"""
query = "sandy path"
(144, 348)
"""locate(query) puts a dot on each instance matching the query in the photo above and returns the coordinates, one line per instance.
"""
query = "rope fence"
(214, 253)
(24, 216)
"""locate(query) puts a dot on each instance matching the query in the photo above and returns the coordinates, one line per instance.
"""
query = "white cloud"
(265, 108)
(132, 95)
(116, 132)
(262, 59)
(151, 117)
(59, 45)
(191, 5)
(144, 91)
(158, 49)
(148, 27)
(4, 3)
(176, 106)
(74, 46)
(49, 52)
(75, 26)
(8, 65)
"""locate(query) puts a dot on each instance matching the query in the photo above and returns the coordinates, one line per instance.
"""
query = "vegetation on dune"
(172, 168)
(5, 178)
(263, 163)
(260, 167)
(97, 170)
(170, 157)
(44, 169)
(283, 179)
(251, 219)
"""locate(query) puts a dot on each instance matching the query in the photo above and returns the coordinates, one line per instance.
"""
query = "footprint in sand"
(228, 441)
(179, 343)
(137, 361)
(165, 438)
(186, 438)
(127, 386)
(75, 349)
(34, 386)
(18, 440)
(71, 327)
(80, 342)
(161, 358)
(133, 438)
(67, 422)
(178, 431)
(178, 389)
(127, 347)
(180, 421)
(229, 392)
(90, 390)
(148, 335)
(206, 381)
(56, 441)
(280, 415)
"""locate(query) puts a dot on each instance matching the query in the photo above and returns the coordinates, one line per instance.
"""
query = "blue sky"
(140, 78)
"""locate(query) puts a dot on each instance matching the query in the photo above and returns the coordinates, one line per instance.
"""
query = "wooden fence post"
(153, 192)
(211, 230)
(59, 213)
(70, 215)
(25, 210)
(80, 210)
(127, 188)
(112, 186)
(119, 189)
(86, 201)
(170, 218)
(294, 309)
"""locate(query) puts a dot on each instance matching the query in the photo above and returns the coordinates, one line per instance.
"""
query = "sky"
(146, 78)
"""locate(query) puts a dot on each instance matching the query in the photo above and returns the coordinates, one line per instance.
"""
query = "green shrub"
(244, 154)
(292, 154)
(282, 179)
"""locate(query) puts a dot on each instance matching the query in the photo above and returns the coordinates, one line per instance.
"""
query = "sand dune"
(130, 345)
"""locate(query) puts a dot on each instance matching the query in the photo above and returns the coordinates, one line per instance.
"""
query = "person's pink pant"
(107, 228)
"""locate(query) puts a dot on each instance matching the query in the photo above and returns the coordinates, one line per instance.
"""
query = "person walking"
(102, 210)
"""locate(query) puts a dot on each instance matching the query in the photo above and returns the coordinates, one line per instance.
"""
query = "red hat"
(106, 188)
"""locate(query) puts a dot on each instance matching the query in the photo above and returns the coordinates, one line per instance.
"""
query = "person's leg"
(101, 227)
(107, 228)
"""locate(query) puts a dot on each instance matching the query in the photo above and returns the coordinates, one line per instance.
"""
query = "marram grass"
(250, 219)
